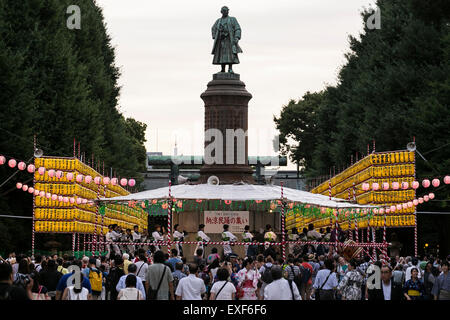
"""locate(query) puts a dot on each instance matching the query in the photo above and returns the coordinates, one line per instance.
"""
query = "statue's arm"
(236, 29)
(214, 30)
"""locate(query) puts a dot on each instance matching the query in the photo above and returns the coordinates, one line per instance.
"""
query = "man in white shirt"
(156, 235)
(280, 288)
(227, 236)
(201, 236)
(247, 237)
(415, 264)
(178, 236)
(191, 287)
(37, 263)
(115, 237)
(136, 236)
(326, 280)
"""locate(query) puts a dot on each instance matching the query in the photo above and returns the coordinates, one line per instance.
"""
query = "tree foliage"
(394, 85)
(59, 84)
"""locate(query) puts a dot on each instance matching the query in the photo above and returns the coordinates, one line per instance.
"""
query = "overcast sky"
(163, 48)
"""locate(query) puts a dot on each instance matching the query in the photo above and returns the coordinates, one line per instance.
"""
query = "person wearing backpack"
(72, 293)
(95, 277)
(178, 274)
(280, 288)
(223, 289)
(115, 273)
(326, 282)
(266, 275)
(293, 273)
(159, 279)
(306, 271)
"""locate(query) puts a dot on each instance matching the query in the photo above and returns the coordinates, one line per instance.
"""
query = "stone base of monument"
(226, 107)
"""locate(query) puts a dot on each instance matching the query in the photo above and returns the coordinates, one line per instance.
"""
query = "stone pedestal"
(226, 107)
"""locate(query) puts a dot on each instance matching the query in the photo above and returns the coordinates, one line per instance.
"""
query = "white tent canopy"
(236, 192)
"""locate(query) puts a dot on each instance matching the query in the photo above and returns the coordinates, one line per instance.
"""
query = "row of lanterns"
(12, 163)
(404, 185)
(53, 196)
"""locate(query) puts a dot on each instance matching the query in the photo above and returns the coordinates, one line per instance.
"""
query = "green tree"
(393, 87)
(58, 84)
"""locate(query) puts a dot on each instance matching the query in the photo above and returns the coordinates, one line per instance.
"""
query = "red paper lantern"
(420, 200)
(88, 179)
(25, 187)
(123, 182)
(41, 171)
(51, 173)
(12, 163)
(426, 198)
(399, 207)
(114, 181)
(69, 176)
(48, 195)
(106, 180)
(385, 186)
(405, 185)
(447, 179)
(79, 178)
(431, 196)
(381, 211)
(436, 183)
(19, 185)
(228, 202)
(415, 184)
(392, 208)
(395, 185)
(31, 190)
(97, 180)
(2, 160)
(132, 182)
(22, 166)
(426, 183)
(415, 202)
(54, 197)
(410, 204)
(59, 174)
(375, 186)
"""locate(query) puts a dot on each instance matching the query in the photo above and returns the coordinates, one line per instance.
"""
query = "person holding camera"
(8, 291)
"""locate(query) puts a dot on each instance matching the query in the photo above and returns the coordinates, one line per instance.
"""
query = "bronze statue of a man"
(226, 33)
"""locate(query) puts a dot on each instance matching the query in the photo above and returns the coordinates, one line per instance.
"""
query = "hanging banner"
(214, 221)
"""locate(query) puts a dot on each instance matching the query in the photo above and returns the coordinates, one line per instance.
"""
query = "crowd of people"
(312, 272)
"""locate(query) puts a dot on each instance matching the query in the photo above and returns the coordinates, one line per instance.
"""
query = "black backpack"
(267, 274)
(297, 277)
(113, 279)
(305, 274)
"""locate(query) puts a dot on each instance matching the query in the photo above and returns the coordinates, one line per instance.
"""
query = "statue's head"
(224, 11)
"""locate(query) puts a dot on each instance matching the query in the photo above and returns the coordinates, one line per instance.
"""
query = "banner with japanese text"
(237, 220)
